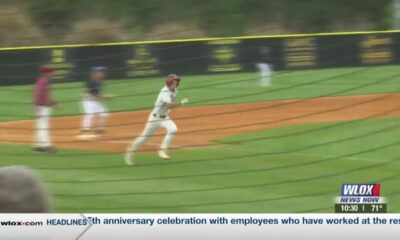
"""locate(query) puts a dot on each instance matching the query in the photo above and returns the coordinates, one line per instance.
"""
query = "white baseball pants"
(265, 73)
(42, 126)
(92, 108)
(154, 123)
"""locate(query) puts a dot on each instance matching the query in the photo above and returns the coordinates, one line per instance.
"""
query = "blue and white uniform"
(92, 104)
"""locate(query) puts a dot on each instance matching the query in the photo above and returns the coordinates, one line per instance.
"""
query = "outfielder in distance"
(159, 118)
(265, 66)
(93, 106)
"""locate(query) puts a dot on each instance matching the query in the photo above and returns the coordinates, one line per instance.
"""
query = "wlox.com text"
(20, 223)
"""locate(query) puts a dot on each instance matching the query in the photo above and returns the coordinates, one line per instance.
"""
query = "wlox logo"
(360, 193)
(361, 190)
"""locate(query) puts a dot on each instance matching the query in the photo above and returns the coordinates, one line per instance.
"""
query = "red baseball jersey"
(41, 93)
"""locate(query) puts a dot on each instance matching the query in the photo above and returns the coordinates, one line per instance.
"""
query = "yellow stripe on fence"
(199, 40)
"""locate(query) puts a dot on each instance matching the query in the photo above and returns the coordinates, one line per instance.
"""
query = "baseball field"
(239, 148)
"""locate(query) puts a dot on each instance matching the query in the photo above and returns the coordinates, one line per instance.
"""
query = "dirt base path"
(198, 125)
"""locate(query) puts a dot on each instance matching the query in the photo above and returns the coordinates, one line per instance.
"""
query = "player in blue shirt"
(93, 106)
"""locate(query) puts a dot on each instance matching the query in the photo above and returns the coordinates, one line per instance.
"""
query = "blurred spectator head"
(21, 191)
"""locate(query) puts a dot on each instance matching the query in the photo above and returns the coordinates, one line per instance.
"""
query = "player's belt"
(159, 116)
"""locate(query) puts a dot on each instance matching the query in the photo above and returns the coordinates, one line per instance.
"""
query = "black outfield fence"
(201, 56)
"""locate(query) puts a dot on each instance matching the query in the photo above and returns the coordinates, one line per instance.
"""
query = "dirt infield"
(198, 125)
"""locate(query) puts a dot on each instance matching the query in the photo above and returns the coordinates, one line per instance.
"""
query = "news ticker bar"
(198, 226)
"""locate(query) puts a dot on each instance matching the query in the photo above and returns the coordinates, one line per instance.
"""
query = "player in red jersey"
(43, 103)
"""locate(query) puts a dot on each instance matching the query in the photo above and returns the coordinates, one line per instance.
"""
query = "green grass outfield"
(134, 94)
(291, 173)
(291, 169)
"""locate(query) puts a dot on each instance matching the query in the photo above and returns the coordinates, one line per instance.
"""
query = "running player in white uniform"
(92, 105)
(159, 118)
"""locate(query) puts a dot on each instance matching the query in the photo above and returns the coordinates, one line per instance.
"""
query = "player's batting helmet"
(171, 78)
(46, 69)
(99, 69)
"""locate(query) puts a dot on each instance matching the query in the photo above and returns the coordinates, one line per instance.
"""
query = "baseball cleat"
(100, 131)
(162, 154)
(129, 160)
(50, 150)
(45, 149)
(85, 131)
(38, 149)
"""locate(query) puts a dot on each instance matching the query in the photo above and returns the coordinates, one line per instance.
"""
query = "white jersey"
(165, 96)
